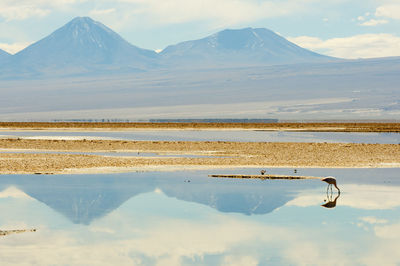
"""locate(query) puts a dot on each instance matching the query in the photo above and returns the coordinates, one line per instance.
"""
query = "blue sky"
(343, 28)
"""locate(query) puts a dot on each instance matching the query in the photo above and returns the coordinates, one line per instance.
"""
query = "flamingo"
(331, 181)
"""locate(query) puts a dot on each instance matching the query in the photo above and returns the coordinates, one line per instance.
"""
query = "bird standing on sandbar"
(331, 182)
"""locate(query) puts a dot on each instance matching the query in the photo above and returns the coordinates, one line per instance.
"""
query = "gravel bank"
(236, 154)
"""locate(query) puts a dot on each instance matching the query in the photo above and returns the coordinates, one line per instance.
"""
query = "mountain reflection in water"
(163, 219)
(83, 199)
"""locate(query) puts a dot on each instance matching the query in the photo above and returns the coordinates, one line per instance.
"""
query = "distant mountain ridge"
(241, 46)
(87, 41)
(84, 47)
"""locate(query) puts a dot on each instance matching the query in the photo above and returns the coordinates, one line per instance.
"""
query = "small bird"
(295, 170)
(331, 181)
(263, 172)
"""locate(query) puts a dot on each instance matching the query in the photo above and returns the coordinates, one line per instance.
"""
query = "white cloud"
(373, 220)
(240, 260)
(13, 192)
(24, 9)
(384, 250)
(358, 46)
(374, 22)
(364, 17)
(160, 12)
(365, 197)
(221, 13)
(225, 11)
(14, 47)
(22, 12)
(388, 11)
(388, 231)
(96, 12)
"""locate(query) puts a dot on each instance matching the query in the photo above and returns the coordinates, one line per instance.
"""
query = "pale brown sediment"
(233, 154)
(288, 177)
(9, 232)
(106, 126)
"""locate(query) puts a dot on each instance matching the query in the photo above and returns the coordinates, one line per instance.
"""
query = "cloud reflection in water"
(169, 222)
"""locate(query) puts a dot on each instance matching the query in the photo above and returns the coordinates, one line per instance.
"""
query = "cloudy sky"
(342, 28)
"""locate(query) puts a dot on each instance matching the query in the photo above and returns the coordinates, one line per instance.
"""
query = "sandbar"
(219, 155)
(122, 126)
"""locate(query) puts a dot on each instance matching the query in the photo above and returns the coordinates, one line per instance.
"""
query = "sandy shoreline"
(221, 155)
(97, 126)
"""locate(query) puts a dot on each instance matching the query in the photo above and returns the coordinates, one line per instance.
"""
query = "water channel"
(214, 135)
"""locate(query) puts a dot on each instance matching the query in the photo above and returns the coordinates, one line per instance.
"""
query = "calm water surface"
(186, 218)
(210, 135)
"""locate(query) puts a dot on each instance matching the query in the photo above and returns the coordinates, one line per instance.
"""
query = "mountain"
(82, 45)
(85, 47)
(3, 55)
(242, 47)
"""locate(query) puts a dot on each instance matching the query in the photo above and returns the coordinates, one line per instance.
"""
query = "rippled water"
(187, 218)
(210, 135)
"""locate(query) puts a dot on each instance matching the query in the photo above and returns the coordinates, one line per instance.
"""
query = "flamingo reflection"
(331, 203)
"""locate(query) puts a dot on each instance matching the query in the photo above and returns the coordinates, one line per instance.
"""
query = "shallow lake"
(218, 135)
(187, 218)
